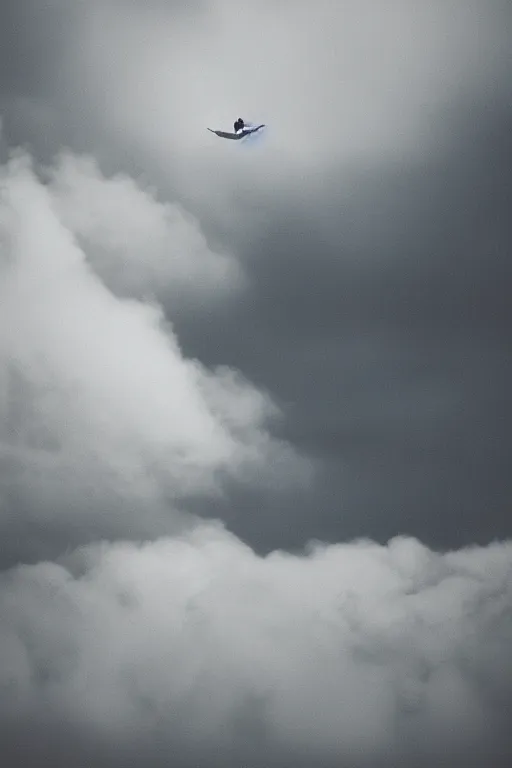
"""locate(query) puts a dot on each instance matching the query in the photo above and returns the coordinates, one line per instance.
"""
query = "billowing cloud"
(195, 649)
(137, 244)
(99, 404)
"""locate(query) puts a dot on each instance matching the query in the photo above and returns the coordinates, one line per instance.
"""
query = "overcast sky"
(255, 474)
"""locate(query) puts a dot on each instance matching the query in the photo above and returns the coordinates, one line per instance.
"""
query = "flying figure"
(240, 130)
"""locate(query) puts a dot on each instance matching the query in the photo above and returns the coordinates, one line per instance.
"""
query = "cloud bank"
(196, 651)
(137, 244)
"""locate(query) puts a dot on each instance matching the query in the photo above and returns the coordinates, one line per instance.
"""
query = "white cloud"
(136, 243)
(356, 652)
(98, 405)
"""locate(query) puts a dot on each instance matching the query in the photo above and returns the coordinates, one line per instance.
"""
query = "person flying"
(240, 132)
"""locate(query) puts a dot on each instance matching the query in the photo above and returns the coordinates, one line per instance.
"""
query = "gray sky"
(213, 355)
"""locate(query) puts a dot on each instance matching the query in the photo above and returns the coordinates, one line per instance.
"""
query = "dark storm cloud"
(374, 229)
(31, 39)
(379, 314)
(21, 50)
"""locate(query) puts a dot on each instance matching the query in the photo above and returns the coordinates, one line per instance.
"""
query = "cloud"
(137, 244)
(354, 653)
(101, 412)
(369, 225)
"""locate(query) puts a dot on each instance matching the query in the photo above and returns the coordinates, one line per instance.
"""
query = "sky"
(255, 475)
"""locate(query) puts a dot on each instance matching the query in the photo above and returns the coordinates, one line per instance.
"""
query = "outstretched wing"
(239, 135)
(227, 134)
(248, 131)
